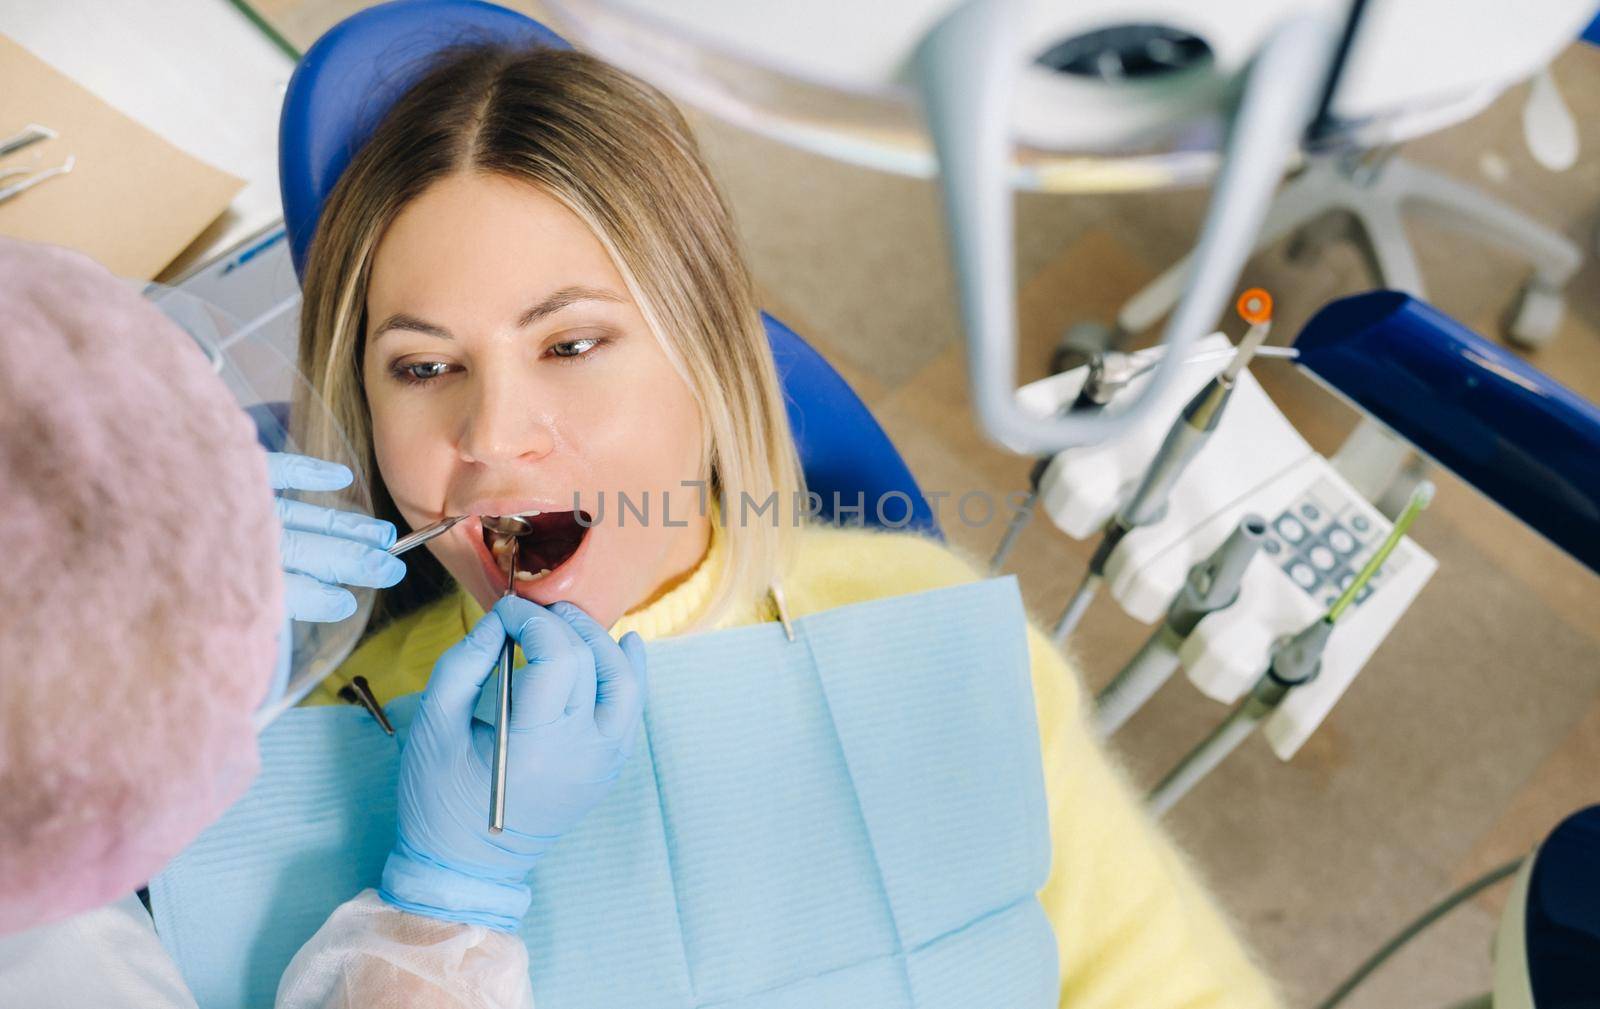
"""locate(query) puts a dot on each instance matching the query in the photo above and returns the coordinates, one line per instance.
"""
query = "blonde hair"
(620, 156)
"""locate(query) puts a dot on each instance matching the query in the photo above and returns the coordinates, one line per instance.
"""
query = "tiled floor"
(1473, 729)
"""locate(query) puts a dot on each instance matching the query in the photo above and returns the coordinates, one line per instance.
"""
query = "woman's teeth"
(531, 545)
(503, 549)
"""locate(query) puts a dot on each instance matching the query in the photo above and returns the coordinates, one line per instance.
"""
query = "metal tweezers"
(18, 188)
(30, 134)
(359, 691)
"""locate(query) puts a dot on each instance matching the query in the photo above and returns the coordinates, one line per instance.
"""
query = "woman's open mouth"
(539, 542)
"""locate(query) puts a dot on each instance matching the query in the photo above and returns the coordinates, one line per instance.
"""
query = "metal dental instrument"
(30, 134)
(1212, 584)
(18, 188)
(358, 691)
(413, 540)
(1122, 367)
(502, 721)
(1187, 436)
(1023, 515)
(503, 526)
(1295, 661)
(782, 607)
(1109, 373)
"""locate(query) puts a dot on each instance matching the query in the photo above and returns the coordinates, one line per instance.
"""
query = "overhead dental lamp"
(1087, 96)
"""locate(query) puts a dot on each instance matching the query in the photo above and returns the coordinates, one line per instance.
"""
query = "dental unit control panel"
(1319, 533)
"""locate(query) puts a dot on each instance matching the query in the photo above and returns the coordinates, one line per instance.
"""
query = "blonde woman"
(525, 293)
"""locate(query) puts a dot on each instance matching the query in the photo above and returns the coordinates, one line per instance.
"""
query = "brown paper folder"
(132, 201)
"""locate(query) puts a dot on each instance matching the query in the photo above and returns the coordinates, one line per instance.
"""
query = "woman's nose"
(504, 423)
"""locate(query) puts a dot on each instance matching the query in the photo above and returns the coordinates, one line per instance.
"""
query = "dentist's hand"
(576, 714)
(323, 548)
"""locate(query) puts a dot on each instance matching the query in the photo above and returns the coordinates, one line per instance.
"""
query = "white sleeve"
(108, 958)
(369, 953)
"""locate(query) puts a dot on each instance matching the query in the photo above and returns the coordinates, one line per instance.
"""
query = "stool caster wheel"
(1302, 250)
(1308, 241)
(1535, 317)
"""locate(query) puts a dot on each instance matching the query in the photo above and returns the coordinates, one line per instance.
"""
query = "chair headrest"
(352, 77)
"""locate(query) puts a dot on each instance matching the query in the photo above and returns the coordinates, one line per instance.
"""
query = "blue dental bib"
(853, 819)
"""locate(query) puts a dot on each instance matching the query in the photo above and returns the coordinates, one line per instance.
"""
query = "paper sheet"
(132, 201)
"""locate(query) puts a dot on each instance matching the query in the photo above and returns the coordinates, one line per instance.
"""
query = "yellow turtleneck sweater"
(1134, 928)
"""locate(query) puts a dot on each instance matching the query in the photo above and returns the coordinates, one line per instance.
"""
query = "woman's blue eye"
(426, 372)
(575, 348)
(422, 372)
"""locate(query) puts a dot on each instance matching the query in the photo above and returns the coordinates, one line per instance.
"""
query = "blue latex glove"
(323, 548)
(576, 714)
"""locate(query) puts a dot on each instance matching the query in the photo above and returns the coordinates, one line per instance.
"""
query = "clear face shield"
(265, 382)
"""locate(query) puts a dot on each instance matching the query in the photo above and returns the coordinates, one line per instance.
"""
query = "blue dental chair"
(1524, 440)
(350, 78)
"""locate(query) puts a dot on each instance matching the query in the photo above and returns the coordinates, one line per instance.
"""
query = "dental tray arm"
(966, 68)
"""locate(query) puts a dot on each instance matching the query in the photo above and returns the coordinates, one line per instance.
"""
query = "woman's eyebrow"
(402, 321)
(564, 298)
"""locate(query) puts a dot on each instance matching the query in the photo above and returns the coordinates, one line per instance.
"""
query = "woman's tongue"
(532, 557)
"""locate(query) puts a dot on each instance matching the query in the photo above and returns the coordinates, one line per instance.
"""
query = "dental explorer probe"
(510, 526)
(1187, 436)
(1295, 661)
(413, 540)
(1212, 584)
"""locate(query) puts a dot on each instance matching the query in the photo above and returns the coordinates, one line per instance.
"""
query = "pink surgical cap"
(139, 588)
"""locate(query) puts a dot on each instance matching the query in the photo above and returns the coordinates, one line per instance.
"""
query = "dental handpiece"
(1211, 585)
(1187, 436)
(1195, 423)
(1296, 661)
(1109, 372)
